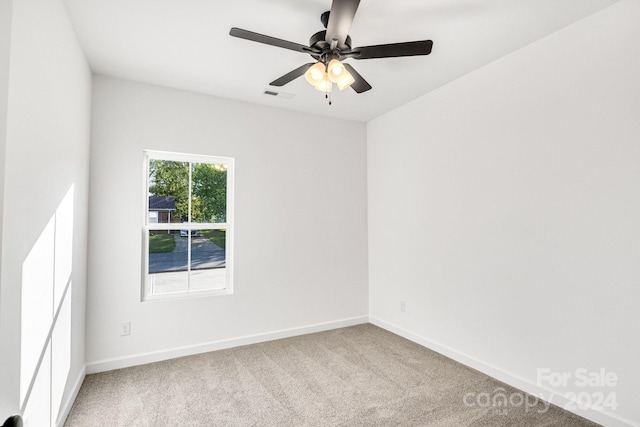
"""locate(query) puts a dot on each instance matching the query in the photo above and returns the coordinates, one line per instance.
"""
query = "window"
(187, 228)
(153, 217)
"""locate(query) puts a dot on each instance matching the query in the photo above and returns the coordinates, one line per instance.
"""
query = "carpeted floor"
(356, 376)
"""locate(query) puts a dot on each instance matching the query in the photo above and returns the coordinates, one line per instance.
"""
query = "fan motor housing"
(318, 41)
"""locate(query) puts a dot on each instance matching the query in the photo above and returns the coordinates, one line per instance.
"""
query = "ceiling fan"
(333, 45)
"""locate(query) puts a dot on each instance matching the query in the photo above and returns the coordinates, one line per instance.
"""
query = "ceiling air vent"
(283, 95)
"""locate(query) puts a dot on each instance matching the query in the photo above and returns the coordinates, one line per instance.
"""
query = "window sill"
(186, 295)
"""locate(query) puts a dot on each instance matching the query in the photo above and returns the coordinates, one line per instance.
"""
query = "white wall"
(504, 208)
(300, 218)
(46, 91)
(5, 42)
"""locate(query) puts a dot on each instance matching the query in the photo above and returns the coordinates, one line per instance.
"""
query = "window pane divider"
(185, 226)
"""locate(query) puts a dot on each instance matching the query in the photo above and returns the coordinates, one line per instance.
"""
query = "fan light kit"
(332, 46)
(321, 77)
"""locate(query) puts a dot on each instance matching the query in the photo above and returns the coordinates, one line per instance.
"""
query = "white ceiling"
(185, 44)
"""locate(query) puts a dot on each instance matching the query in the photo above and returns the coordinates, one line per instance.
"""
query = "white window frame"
(147, 226)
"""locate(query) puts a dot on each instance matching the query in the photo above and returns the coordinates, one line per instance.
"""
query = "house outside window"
(160, 208)
(187, 225)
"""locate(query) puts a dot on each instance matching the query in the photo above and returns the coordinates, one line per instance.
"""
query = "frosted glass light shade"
(324, 85)
(315, 74)
(345, 80)
(336, 70)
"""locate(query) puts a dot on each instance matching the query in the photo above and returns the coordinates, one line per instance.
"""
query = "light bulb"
(324, 85)
(345, 80)
(335, 69)
(315, 73)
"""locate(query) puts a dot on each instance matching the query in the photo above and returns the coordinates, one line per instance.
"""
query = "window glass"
(208, 193)
(208, 259)
(168, 261)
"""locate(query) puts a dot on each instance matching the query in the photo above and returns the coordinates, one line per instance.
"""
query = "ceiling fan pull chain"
(327, 95)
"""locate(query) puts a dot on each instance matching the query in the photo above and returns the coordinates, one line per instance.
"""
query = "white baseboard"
(157, 356)
(68, 403)
(605, 418)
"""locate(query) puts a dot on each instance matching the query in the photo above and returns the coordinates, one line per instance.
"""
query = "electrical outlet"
(125, 329)
(403, 306)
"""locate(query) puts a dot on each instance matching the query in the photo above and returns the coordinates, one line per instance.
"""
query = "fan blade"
(261, 38)
(360, 85)
(291, 75)
(340, 20)
(422, 47)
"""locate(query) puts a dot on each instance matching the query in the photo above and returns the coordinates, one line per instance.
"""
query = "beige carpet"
(357, 376)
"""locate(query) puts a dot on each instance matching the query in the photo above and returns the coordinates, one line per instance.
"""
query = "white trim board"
(68, 404)
(605, 418)
(157, 356)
